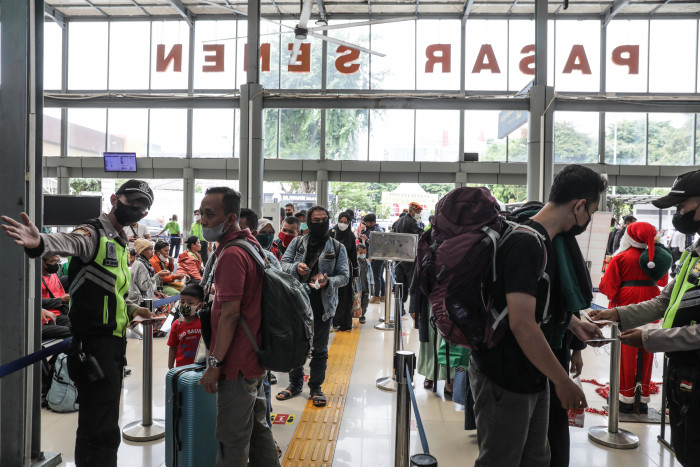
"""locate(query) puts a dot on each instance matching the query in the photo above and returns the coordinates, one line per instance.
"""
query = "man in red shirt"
(54, 301)
(234, 371)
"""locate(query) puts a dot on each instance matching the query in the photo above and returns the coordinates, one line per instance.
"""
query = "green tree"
(572, 146)
(360, 196)
(440, 189)
(80, 185)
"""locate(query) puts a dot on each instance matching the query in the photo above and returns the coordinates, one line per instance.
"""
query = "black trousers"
(378, 272)
(558, 430)
(685, 430)
(60, 330)
(404, 273)
(343, 312)
(98, 435)
(204, 252)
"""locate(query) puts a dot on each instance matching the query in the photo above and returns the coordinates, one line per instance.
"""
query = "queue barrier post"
(403, 359)
(423, 460)
(388, 383)
(662, 435)
(613, 436)
(387, 324)
(146, 429)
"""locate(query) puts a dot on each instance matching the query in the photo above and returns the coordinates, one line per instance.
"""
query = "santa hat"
(644, 234)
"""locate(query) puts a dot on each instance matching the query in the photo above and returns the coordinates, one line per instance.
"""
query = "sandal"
(288, 393)
(271, 378)
(428, 383)
(279, 450)
(159, 334)
(318, 398)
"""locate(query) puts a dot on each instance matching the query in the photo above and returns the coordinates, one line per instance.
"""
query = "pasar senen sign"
(435, 54)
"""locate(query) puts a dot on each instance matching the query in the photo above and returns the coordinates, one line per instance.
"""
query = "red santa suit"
(615, 284)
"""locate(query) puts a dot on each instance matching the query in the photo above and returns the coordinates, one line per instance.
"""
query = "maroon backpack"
(456, 266)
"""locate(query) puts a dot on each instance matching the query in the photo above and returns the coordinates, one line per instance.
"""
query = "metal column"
(20, 57)
(540, 157)
(252, 162)
(322, 188)
(188, 201)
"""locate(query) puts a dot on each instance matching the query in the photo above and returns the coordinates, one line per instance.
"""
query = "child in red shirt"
(187, 330)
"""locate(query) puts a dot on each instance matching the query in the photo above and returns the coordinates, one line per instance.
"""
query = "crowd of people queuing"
(517, 393)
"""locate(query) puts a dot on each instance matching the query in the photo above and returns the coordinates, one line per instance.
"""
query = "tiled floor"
(367, 430)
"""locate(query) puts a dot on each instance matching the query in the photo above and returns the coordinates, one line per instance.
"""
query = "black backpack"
(287, 320)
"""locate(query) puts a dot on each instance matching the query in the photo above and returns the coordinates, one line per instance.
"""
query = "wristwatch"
(214, 362)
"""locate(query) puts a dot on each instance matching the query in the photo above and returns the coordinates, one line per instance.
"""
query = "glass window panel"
(87, 51)
(446, 35)
(521, 52)
(670, 140)
(271, 132)
(52, 132)
(86, 132)
(336, 61)
(671, 56)
(481, 135)
(269, 34)
(167, 200)
(128, 54)
(627, 44)
(398, 69)
(53, 55)
(128, 131)
(168, 133)
(624, 138)
(219, 38)
(300, 134)
(437, 135)
(212, 133)
(300, 80)
(576, 137)
(49, 185)
(391, 135)
(517, 144)
(346, 134)
(486, 55)
(201, 185)
(171, 35)
(577, 56)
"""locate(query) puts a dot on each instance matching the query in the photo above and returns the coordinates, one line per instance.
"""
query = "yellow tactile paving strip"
(313, 443)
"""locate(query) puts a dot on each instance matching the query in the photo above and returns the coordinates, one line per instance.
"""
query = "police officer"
(679, 306)
(98, 311)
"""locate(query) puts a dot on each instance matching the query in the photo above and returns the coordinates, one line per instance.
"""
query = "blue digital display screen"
(120, 161)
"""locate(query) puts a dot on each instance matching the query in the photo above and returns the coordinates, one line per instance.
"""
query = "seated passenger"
(53, 296)
(186, 330)
(144, 279)
(190, 262)
(164, 267)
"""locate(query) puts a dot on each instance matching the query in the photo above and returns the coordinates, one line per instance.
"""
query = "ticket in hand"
(585, 314)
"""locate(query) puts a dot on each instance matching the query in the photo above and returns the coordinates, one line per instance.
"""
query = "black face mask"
(319, 230)
(685, 224)
(579, 229)
(127, 215)
(51, 268)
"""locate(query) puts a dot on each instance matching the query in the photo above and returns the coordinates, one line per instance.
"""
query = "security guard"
(679, 306)
(98, 311)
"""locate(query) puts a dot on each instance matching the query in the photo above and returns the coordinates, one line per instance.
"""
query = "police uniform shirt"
(677, 339)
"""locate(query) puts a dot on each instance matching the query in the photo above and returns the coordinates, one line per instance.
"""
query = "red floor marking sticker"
(306, 378)
(281, 419)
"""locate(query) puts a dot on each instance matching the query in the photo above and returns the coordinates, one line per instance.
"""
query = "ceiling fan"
(301, 31)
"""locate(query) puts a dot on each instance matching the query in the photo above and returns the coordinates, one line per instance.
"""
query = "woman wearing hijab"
(635, 273)
(343, 233)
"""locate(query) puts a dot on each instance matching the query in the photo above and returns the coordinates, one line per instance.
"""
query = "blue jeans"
(266, 387)
(378, 272)
(319, 352)
(174, 246)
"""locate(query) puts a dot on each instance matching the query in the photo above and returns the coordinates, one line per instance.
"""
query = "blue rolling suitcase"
(190, 419)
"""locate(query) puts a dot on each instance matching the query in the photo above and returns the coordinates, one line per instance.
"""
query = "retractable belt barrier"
(37, 356)
(166, 300)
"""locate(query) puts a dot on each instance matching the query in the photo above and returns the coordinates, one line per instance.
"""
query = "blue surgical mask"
(304, 226)
(362, 256)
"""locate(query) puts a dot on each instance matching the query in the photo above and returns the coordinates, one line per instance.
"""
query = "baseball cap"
(684, 187)
(415, 206)
(136, 189)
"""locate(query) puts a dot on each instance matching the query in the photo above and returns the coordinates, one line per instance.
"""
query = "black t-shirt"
(519, 264)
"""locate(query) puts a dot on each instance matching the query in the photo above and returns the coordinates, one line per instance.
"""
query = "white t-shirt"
(140, 230)
(677, 241)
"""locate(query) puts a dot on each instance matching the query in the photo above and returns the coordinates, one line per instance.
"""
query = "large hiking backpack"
(457, 267)
(62, 394)
(287, 320)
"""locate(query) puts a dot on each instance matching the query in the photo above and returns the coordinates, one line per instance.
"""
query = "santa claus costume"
(635, 273)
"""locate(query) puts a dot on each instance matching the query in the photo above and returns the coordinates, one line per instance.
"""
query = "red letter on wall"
(444, 57)
(217, 59)
(527, 64)
(303, 64)
(264, 57)
(632, 59)
(163, 62)
(486, 60)
(577, 61)
(344, 63)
